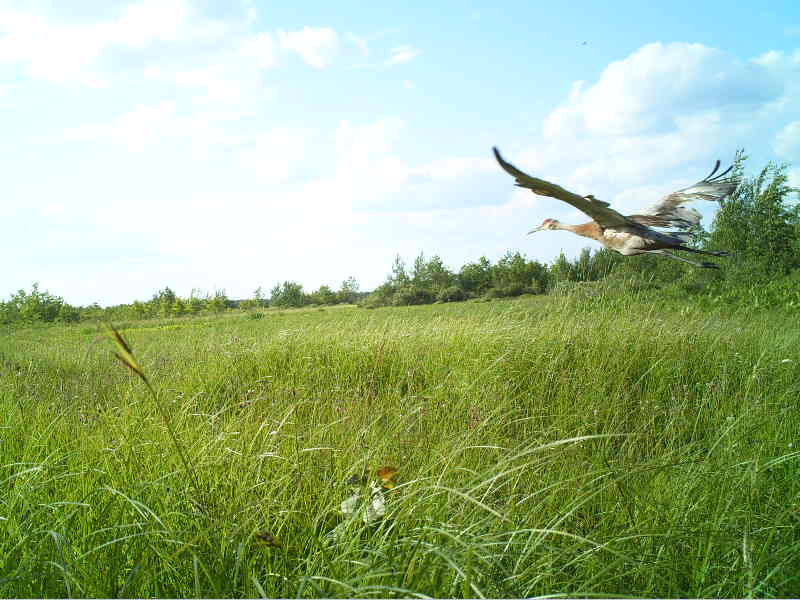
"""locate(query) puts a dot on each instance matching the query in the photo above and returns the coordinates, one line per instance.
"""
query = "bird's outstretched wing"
(596, 209)
(669, 212)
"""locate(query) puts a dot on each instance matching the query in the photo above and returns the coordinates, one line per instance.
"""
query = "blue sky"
(230, 145)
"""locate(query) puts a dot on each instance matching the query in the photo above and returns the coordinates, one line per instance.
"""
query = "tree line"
(759, 224)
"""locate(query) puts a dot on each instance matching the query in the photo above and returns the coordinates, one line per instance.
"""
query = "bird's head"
(546, 224)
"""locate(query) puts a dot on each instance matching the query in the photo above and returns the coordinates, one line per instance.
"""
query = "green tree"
(163, 301)
(758, 224)
(514, 275)
(475, 278)
(258, 297)
(582, 269)
(324, 295)
(288, 294)
(195, 302)
(348, 291)
(561, 269)
(399, 276)
(257, 301)
(219, 301)
(36, 306)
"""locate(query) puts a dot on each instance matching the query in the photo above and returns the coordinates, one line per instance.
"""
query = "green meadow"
(543, 445)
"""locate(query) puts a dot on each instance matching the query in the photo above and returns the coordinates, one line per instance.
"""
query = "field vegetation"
(562, 444)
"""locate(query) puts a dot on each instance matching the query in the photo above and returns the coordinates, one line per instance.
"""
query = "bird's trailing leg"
(702, 265)
(706, 252)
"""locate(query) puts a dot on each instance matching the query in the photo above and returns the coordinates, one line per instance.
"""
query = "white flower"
(373, 510)
(376, 508)
(350, 505)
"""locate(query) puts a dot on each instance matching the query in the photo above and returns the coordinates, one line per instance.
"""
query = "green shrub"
(451, 293)
(412, 295)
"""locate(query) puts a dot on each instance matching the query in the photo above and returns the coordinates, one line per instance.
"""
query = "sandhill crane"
(633, 234)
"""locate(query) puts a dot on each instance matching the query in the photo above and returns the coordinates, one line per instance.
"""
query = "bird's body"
(634, 234)
(626, 240)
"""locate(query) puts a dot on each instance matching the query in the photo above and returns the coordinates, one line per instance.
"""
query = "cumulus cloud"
(360, 43)
(150, 36)
(794, 177)
(402, 54)
(72, 49)
(664, 108)
(658, 83)
(317, 46)
(278, 154)
(135, 130)
(261, 48)
(198, 134)
(787, 141)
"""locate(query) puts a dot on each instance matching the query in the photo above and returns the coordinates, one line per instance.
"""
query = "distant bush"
(451, 293)
(37, 306)
(511, 290)
(412, 295)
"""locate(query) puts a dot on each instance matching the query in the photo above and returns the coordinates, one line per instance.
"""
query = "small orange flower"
(386, 475)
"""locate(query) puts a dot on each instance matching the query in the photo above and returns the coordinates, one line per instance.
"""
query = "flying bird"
(634, 234)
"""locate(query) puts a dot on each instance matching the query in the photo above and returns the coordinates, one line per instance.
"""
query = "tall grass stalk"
(126, 357)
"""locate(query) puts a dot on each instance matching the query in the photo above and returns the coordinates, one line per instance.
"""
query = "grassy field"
(543, 446)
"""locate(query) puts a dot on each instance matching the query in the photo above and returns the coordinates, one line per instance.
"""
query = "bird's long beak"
(534, 230)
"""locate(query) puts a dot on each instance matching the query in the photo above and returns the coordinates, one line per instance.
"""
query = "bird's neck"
(590, 230)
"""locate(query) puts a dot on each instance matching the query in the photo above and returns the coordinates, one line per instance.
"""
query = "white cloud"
(456, 167)
(661, 110)
(316, 46)
(161, 123)
(150, 20)
(408, 84)
(359, 42)
(72, 49)
(231, 75)
(794, 177)
(252, 13)
(787, 141)
(279, 153)
(261, 49)
(65, 55)
(135, 130)
(645, 92)
(53, 209)
(402, 54)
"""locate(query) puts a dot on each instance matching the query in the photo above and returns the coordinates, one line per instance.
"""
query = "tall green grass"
(543, 446)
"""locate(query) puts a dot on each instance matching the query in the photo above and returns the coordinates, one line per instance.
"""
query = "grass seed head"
(125, 354)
